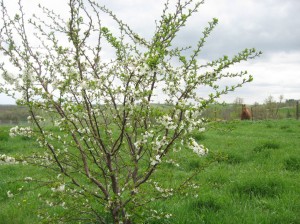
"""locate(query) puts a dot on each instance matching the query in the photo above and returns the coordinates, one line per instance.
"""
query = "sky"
(270, 26)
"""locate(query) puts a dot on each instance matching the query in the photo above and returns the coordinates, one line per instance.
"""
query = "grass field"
(251, 175)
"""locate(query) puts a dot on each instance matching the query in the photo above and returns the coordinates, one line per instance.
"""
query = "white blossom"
(39, 118)
(84, 84)
(60, 188)
(7, 159)
(159, 143)
(200, 150)
(49, 203)
(155, 160)
(9, 194)
(201, 129)
(168, 216)
(171, 161)
(137, 144)
(167, 122)
(28, 178)
(29, 119)
(21, 131)
(135, 190)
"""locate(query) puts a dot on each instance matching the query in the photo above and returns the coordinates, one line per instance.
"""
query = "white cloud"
(277, 74)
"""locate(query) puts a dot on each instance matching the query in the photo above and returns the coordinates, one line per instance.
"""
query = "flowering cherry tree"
(110, 136)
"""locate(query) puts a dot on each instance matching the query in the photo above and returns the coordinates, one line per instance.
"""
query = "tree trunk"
(119, 215)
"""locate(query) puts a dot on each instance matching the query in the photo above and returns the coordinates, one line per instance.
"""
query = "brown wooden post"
(215, 114)
(297, 110)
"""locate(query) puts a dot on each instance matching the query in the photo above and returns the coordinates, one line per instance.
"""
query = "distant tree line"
(13, 114)
(270, 109)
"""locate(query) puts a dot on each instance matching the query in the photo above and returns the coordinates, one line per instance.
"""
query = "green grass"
(251, 175)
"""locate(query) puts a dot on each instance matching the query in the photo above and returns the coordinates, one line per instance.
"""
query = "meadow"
(251, 175)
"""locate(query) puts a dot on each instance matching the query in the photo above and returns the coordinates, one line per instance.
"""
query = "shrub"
(111, 138)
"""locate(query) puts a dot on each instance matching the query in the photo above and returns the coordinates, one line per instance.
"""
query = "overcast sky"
(271, 26)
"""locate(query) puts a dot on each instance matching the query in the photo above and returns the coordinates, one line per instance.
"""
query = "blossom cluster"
(159, 215)
(60, 188)
(9, 194)
(194, 121)
(7, 159)
(28, 179)
(37, 118)
(147, 135)
(167, 122)
(20, 131)
(165, 192)
(159, 143)
(155, 160)
(200, 150)
(171, 161)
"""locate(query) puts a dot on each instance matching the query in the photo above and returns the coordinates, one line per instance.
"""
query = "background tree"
(237, 103)
(272, 107)
(110, 138)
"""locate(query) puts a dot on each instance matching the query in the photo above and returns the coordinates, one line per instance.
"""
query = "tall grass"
(251, 175)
